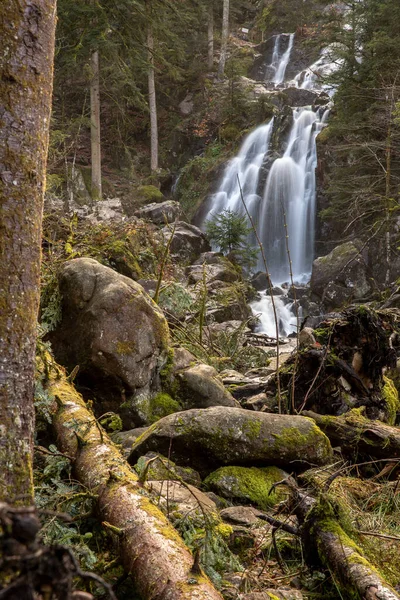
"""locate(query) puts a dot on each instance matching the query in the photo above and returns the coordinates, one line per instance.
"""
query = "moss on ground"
(391, 398)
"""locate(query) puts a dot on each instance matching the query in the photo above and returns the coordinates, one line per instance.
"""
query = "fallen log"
(356, 434)
(151, 550)
(321, 530)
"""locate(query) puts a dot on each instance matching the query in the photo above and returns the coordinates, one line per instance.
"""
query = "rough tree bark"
(224, 39)
(26, 74)
(151, 550)
(210, 34)
(152, 98)
(95, 126)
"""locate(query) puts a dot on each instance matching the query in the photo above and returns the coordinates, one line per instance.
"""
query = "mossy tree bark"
(224, 39)
(356, 434)
(152, 95)
(95, 126)
(321, 531)
(210, 34)
(26, 73)
(151, 550)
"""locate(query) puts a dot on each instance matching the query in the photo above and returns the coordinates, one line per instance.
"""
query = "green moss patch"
(391, 398)
(249, 485)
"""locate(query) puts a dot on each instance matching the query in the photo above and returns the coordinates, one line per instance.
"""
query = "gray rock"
(126, 438)
(187, 105)
(200, 387)
(239, 515)
(210, 258)
(306, 337)
(160, 213)
(259, 281)
(188, 500)
(340, 277)
(113, 330)
(208, 438)
(188, 241)
(216, 272)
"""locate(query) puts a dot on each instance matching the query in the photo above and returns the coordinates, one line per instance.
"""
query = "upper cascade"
(281, 56)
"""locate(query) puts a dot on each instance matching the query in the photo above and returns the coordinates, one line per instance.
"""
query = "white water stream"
(289, 192)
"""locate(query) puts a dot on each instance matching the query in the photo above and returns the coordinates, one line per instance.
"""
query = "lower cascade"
(281, 203)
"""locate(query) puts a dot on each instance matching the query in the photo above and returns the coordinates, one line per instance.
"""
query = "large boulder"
(188, 241)
(225, 271)
(116, 334)
(208, 438)
(160, 214)
(340, 277)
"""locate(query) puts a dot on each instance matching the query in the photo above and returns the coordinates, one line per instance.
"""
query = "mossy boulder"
(248, 485)
(148, 194)
(340, 276)
(209, 438)
(149, 409)
(116, 334)
(160, 213)
(160, 468)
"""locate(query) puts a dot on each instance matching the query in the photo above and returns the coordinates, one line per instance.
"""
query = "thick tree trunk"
(210, 34)
(356, 434)
(224, 39)
(152, 103)
(95, 126)
(151, 550)
(26, 75)
(354, 574)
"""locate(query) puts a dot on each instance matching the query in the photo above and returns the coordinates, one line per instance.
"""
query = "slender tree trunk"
(210, 32)
(152, 102)
(26, 75)
(224, 39)
(95, 126)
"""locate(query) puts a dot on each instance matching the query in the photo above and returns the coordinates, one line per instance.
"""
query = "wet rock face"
(340, 277)
(112, 330)
(213, 437)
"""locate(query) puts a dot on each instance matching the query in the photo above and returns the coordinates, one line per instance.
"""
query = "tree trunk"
(224, 39)
(151, 550)
(26, 75)
(210, 34)
(356, 434)
(152, 102)
(95, 126)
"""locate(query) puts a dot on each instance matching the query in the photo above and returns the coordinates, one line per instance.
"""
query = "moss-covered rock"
(248, 485)
(159, 468)
(208, 438)
(118, 337)
(148, 410)
(148, 194)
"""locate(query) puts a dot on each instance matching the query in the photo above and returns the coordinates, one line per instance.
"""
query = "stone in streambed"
(213, 437)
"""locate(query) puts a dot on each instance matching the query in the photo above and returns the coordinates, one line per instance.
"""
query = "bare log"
(356, 434)
(151, 550)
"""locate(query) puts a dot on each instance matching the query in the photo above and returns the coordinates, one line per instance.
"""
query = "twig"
(380, 535)
(278, 379)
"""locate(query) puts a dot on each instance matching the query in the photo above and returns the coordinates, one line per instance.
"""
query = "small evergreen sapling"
(229, 231)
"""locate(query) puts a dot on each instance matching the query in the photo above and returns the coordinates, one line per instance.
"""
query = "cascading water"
(280, 59)
(288, 194)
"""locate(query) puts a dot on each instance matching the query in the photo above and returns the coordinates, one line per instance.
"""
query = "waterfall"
(246, 165)
(280, 60)
(288, 194)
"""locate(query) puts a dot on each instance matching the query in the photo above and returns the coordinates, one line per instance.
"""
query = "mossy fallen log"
(322, 532)
(151, 550)
(356, 434)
